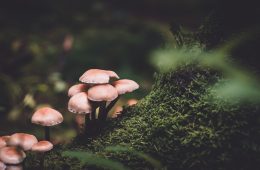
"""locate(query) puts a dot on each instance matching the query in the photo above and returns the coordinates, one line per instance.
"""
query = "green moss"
(181, 123)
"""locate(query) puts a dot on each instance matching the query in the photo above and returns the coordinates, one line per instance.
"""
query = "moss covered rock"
(182, 123)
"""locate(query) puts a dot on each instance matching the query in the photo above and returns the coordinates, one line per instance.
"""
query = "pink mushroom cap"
(76, 89)
(102, 92)
(125, 86)
(47, 117)
(23, 140)
(80, 104)
(97, 76)
(42, 146)
(12, 155)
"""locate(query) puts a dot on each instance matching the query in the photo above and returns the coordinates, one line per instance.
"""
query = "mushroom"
(2, 166)
(97, 76)
(125, 86)
(42, 147)
(102, 93)
(22, 140)
(76, 89)
(79, 104)
(12, 155)
(117, 111)
(122, 86)
(131, 102)
(47, 117)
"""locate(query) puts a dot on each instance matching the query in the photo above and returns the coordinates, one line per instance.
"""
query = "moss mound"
(182, 124)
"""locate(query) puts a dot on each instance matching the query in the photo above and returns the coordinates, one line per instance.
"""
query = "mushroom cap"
(117, 111)
(131, 102)
(112, 74)
(76, 89)
(102, 92)
(11, 155)
(97, 76)
(125, 86)
(2, 165)
(23, 140)
(42, 146)
(47, 117)
(80, 104)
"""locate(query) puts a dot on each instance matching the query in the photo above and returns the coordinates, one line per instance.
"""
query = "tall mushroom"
(47, 117)
(79, 104)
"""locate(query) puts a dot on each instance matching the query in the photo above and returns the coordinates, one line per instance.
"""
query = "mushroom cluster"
(97, 92)
(13, 148)
(92, 99)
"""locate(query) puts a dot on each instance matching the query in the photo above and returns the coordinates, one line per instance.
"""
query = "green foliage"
(155, 163)
(92, 159)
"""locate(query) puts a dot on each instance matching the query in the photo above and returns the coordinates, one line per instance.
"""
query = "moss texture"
(181, 123)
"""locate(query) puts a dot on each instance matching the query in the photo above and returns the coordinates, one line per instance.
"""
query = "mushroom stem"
(102, 111)
(111, 105)
(47, 133)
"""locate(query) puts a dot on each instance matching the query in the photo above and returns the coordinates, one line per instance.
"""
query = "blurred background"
(46, 45)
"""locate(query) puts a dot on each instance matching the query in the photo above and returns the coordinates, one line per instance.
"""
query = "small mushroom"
(117, 111)
(131, 102)
(97, 76)
(42, 146)
(76, 89)
(80, 105)
(22, 140)
(47, 117)
(12, 155)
